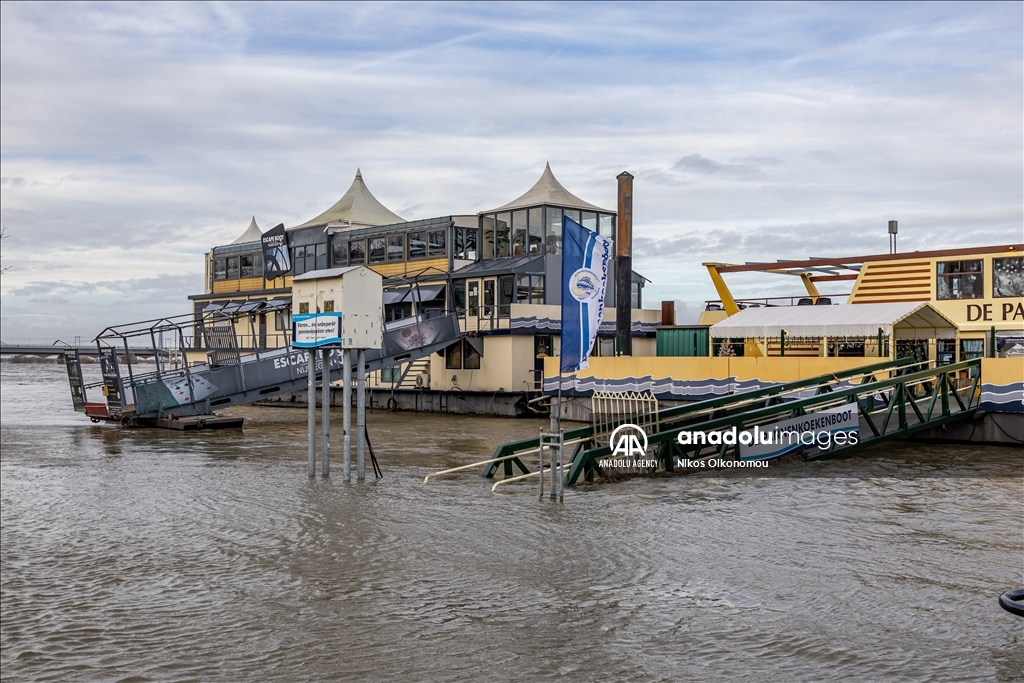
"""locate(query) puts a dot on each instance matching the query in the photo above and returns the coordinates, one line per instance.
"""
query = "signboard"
(276, 260)
(820, 430)
(316, 330)
(74, 367)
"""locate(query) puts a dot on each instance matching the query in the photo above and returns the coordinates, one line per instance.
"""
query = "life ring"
(1011, 601)
(94, 419)
(126, 421)
(392, 405)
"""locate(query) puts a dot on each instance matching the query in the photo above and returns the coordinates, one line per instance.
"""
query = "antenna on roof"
(893, 229)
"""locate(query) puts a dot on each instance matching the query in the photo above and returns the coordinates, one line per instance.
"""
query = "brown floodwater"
(135, 555)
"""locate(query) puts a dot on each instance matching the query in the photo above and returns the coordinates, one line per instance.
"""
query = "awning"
(425, 293)
(249, 306)
(910, 320)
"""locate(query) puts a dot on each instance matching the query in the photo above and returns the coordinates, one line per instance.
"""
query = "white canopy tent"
(904, 320)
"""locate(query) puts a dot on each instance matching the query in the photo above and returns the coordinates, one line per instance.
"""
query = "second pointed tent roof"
(357, 206)
(547, 190)
(252, 233)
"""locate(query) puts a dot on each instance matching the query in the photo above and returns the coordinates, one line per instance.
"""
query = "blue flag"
(585, 259)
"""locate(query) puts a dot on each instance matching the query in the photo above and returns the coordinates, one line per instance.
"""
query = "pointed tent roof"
(547, 190)
(252, 233)
(358, 207)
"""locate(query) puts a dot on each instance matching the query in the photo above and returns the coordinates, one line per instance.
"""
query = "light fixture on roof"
(893, 229)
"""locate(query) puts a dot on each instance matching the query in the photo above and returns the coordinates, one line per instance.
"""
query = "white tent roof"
(252, 233)
(911, 320)
(547, 190)
(357, 207)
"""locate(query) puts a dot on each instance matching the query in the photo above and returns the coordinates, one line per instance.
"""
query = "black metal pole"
(624, 265)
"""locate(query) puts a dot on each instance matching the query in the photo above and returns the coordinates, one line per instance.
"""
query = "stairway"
(420, 369)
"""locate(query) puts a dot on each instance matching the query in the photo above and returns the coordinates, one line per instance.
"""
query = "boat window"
(1008, 276)
(298, 260)
(220, 269)
(232, 267)
(396, 248)
(502, 234)
(339, 254)
(607, 225)
(470, 358)
(474, 297)
(453, 357)
(417, 245)
(488, 298)
(459, 297)
(530, 289)
(959, 279)
(436, 243)
(377, 250)
(248, 266)
(589, 221)
(487, 223)
(465, 243)
(554, 234)
(356, 253)
(518, 233)
(536, 241)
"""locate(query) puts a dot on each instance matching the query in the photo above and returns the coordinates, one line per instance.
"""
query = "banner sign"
(316, 330)
(585, 257)
(276, 260)
(821, 430)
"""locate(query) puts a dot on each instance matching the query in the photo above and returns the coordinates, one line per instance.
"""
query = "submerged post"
(361, 416)
(346, 407)
(311, 419)
(325, 415)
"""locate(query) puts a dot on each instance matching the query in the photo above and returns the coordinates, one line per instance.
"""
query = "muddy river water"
(137, 555)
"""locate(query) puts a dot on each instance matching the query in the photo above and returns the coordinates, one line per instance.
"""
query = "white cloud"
(134, 137)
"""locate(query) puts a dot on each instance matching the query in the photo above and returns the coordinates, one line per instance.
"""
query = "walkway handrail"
(665, 415)
(486, 462)
(509, 480)
(800, 407)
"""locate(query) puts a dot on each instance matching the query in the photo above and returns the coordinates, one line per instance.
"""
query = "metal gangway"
(200, 366)
(893, 400)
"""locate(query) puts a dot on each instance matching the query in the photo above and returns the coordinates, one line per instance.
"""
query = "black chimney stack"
(624, 266)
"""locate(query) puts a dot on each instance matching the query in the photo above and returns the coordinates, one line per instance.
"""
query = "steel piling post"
(361, 417)
(325, 415)
(346, 408)
(311, 419)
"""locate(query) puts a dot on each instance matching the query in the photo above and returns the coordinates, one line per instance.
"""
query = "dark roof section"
(503, 266)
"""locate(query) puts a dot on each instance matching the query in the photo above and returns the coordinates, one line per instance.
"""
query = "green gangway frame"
(903, 401)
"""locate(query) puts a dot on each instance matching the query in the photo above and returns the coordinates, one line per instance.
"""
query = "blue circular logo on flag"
(583, 285)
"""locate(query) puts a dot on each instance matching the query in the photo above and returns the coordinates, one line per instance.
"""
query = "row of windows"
(234, 267)
(537, 230)
(477, 298)
(966, 279)
(407, 247)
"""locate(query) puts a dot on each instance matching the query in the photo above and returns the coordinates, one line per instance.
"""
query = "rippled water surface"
(153, 555)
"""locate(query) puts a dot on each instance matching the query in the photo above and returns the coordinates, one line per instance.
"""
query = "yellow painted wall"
(407, 268)
(1002, 370)
(694, 368)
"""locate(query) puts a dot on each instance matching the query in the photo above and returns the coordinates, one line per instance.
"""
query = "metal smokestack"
(624, 266)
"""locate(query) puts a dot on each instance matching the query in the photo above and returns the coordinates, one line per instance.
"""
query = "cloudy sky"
(135, 137)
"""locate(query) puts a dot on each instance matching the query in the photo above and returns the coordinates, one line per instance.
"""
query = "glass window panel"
(298, 260)
(573, 214)
(470, 358)
(232, 267)
(310, 258)
(488, 297)
(471, 239)
(396, 248)
(321, 256)
(487, 223)
(502, 234)
(959, 279)
(436, 243)
(536, 240)
(459, 297)
(536, 289)
(473, 297)
(523, 289)
(634, 295)
(378, 250)
(357, 253)
(248, 266)
(554, 233)
(220, 269)
(589, 221)
(607, 225)
(417, 245)
(518, 233)
(339, 254)
(1008, 276)
(453, 357)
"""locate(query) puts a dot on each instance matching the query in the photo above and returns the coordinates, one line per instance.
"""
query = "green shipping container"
(682, 341)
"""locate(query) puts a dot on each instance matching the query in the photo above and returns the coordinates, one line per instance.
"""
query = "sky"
(134, 137)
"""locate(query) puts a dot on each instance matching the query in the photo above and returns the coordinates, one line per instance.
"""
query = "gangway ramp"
(231, 377)
(894, 399)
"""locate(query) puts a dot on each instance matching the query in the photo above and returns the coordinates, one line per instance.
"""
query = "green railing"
(888, 409)
(701, 411)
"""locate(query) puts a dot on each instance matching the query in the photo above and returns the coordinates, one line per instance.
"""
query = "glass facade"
(535, 230)
(960, 279)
